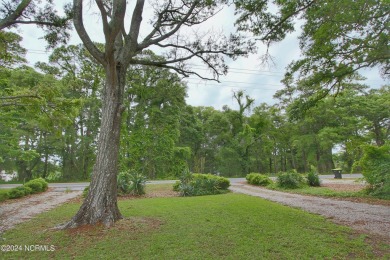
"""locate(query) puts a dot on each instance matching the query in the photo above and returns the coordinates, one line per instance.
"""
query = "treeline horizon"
(50, 117)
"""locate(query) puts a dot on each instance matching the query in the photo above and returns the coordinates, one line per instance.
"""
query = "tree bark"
(100, 205)
(379, 140)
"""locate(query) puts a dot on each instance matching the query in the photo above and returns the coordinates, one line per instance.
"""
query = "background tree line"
(50, 117)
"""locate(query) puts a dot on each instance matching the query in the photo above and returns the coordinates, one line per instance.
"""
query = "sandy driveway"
(371, 219)
(13, 212)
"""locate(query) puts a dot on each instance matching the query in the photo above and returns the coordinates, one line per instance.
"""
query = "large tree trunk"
(100, 205)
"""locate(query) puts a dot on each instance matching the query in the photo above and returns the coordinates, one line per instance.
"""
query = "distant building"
(8, 176)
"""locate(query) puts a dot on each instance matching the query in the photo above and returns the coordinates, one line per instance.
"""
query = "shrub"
(26, 190)
(176, 186)
(375, 165)
(19, 192)
(15, 193)
(4, 195)
(186, 189)
(221, 182)
(37, 185)
(201, 184)
(30, 187)
(313, 179)
(290, 180)
(123, 182)
(186, 176)
(258, 179)
(131, 183)
(138, 182)
(45, 185)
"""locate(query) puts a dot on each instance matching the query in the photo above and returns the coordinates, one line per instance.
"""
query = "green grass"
(11, 182)
(229, 226)
(322, 191)
(158, 187)
(4, 194)
(327, 192)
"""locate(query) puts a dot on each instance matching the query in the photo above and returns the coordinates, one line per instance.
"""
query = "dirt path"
(13, 212)
(372, 219)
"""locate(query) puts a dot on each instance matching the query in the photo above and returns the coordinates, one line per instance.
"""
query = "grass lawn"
(323, 191)
(229, 226)
(151, 188)
(361, 195)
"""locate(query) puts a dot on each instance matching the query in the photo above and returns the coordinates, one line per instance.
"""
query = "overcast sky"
(259, 82)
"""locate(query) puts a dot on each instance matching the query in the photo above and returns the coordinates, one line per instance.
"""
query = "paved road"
(75, 186)
(79, 186)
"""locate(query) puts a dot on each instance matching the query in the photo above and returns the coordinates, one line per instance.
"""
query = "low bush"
(205, 186)
(26, 190)
(258, 179)
(187, 189)
(45, 184)
(375, 165)
(37, 185)
(176, 186)
(30, 187)
(4, 195)
(15, 193)
(201, 184)
(138, 182)
(290, 180)
(313, 179)
(131, 183)
(221, 182)
(123, 182)
(19, 192)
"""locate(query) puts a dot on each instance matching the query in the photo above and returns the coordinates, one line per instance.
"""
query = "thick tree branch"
(12, 17)
(157, 25)
(181, 71)
(149, 42)
(104, 14)
(117, 18)
(188, 57)
(79, 25)
(132, 38)
(34, 22)
(211, 66)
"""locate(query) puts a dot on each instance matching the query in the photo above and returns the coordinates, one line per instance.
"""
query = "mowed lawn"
(229, 226)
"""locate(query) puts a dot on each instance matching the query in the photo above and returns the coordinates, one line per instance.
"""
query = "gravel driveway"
(13, 212)
(372, 219)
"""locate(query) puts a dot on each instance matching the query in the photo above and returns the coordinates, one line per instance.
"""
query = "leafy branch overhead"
(169, 20)
(44, 15)
(338, 39)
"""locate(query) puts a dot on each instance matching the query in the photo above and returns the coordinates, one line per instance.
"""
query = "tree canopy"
(338, 39)
(43, 15)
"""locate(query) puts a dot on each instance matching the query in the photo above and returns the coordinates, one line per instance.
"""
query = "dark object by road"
(337, 173)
